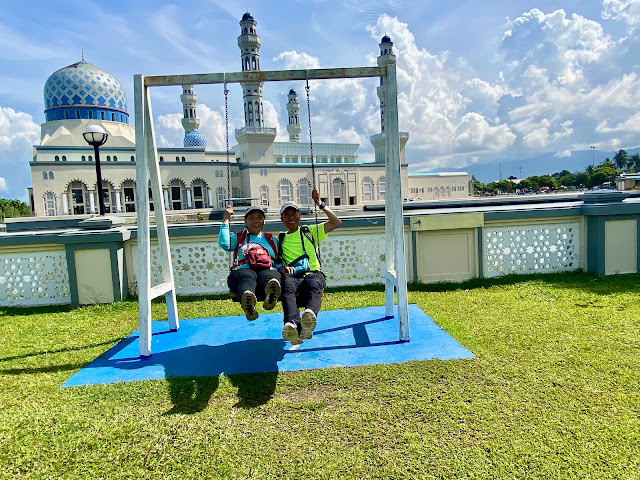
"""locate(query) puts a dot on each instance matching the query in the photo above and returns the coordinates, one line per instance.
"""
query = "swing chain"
(226, 122)
(313, 172)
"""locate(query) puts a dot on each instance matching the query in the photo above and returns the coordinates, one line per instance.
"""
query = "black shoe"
(308, 323)
(272, 294)
(248, 304)
(290, 333)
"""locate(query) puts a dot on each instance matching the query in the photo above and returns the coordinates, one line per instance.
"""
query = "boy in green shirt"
(301, 274)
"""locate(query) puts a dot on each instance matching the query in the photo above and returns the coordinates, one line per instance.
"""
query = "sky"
(481, 85)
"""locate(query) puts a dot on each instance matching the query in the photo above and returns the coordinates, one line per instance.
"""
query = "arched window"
(108, 158)
(50, 175)
(133, 159)
(337, 190)
(183, 159)
(83, 158)
(264, 195)
(177, 193)
(284, 191)
(221, 194)
(199, 194)
(367, 189)
(177, 159)
(253, 63)
(44, 175)
(108, 196)
(257, 110)
(161, 159)
(57, 158)
(246, 63)
(115, 159)
(79, 198)
(90, 158)
(64, 158)
(50, 209)
(129, 195)
(304, 192)
(381, 188)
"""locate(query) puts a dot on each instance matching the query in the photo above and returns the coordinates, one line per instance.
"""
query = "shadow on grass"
(61, 350)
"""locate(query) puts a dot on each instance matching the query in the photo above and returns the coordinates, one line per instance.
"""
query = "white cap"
(254, 208)
(286, 205)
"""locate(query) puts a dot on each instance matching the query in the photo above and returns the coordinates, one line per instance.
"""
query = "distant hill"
(540, 165)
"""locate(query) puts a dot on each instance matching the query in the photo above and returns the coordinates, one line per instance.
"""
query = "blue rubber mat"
(229, 345)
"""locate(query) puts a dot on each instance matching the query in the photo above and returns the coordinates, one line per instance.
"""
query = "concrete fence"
(597, 232)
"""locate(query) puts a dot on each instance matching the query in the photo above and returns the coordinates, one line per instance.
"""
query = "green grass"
(554, 392)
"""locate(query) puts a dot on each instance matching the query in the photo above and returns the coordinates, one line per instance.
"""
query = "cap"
(254, 208)
(286, 205)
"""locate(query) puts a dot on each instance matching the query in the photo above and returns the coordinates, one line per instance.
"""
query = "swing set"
(148, 173)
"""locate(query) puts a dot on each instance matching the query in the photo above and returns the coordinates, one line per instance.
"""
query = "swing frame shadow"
(148, 173)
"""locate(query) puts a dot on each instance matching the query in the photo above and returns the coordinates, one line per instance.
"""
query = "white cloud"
(627, 11)
(3, 185)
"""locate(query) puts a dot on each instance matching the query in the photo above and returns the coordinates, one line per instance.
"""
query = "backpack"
(304, 230)
(256, 256)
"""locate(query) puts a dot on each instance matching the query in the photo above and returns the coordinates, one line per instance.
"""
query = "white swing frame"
(148, 172)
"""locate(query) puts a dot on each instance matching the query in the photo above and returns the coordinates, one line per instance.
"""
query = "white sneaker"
(290, 334)
(272, 294)
(248, 304)
(308, 322)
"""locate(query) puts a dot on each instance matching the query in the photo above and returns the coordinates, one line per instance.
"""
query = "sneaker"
(272, 294)
(308, 324)
(290, 334)
(248, 304)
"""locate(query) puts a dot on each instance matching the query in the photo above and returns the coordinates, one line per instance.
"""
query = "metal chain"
(226, 122)
(313, 172)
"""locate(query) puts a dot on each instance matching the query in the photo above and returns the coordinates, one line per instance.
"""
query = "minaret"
(385, 58)
(249, 43)
(189, 121)
(293, 109)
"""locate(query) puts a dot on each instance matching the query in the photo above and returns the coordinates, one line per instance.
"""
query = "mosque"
(259, 170)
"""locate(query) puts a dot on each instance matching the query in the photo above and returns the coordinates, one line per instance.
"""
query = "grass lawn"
(554, 392)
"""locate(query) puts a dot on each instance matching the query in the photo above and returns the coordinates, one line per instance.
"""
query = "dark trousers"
(242, 279)
(301, 292)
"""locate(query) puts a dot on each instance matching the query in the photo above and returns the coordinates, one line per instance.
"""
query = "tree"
(13, 208)
(621, 159)
(634, 162)
(602, 174)
(478, 186)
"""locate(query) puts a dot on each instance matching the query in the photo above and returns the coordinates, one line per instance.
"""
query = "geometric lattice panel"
(201, 267)
(354, 259)
(531, 249)
(36, 278)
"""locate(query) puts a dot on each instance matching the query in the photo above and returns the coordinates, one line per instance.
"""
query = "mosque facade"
(258, 169)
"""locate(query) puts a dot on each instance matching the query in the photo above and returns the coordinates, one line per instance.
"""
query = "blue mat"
(229, 345)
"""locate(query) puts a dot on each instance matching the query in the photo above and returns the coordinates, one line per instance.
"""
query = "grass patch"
(554, 392)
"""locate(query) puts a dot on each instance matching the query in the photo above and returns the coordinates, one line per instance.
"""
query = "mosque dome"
(247, 16)
(195, 139)
(385, 39)
(84, 91)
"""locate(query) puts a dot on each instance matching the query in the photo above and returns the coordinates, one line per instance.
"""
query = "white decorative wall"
(531, 248)
(34, 278)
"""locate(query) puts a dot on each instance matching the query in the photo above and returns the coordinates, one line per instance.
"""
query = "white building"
(259, 169)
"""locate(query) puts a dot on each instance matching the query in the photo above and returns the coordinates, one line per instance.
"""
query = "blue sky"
(480, 83)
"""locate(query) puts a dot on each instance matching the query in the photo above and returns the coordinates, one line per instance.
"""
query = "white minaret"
(249, 43)
(385, 58)
(189, 120)
(293, 109)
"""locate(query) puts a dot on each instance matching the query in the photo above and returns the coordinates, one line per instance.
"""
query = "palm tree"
(621, 159)
(634, 162)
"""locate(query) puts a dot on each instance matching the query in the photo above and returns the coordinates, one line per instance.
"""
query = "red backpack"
(256, 256)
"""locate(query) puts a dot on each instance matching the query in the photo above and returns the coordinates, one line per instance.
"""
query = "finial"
(83, 54)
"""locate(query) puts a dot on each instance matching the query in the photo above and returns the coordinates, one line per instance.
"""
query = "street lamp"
(593, 155)
(96, 136)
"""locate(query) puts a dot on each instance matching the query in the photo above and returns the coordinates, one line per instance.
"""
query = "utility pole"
(520, 174)
(593, 155)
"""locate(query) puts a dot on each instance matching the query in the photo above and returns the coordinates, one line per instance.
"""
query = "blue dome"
(247, 16)
(83, 90)
(385, 39)
(195, 139)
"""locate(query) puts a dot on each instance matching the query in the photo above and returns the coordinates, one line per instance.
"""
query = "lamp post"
(96, 136)
(593, 155)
